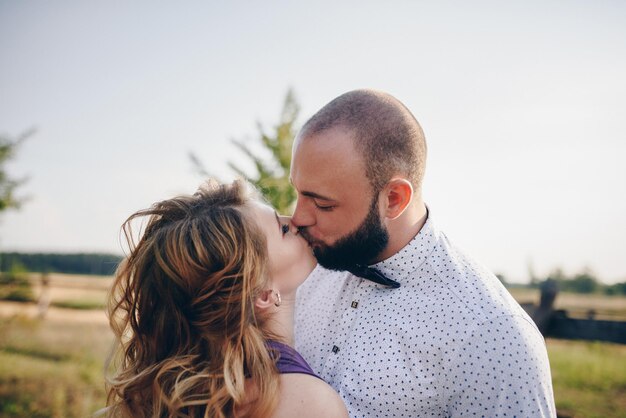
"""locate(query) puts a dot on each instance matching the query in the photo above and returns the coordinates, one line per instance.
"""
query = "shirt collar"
(412, 255)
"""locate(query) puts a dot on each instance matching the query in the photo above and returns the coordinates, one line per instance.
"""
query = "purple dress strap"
(288, 360)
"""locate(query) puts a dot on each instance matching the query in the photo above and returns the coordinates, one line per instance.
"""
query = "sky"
(523, 105)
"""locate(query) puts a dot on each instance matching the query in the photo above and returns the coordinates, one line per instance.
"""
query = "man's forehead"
(330, 135)
(313, 180)
(334, 142)
(325, 164)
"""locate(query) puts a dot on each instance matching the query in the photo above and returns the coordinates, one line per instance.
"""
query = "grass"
(54, 368)
(51, 370)
(589, 378)
(35, 387)
(15, 287)
(85, 305)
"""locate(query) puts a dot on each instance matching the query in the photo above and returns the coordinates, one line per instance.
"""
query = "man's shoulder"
(471, 282)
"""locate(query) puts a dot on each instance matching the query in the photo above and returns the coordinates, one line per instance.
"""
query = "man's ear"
(398, 195)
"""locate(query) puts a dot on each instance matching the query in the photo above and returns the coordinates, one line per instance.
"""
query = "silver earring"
(278, 300)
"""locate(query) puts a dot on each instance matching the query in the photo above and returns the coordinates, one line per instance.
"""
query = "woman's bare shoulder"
(305, 396)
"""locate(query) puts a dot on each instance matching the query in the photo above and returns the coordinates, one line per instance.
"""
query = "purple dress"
(289, 360)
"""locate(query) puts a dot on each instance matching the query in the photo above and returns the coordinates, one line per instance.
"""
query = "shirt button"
(335, 349)
(354, 304)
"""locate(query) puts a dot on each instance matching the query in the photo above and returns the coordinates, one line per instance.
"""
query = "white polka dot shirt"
(450, 342)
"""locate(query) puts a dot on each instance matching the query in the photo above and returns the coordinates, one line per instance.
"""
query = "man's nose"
(302, 216)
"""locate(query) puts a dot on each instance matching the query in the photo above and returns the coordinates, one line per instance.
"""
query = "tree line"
(585, 282)
(79, 263)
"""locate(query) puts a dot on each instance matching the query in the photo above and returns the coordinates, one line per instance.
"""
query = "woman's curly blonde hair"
(188, 341)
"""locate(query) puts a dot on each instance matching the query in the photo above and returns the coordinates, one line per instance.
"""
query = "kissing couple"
(358, 305)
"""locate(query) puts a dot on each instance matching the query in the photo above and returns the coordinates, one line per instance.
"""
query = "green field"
(50, 368)
(54, 367)
(589, 378)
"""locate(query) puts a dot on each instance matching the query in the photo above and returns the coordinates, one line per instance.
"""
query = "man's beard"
(359, 247)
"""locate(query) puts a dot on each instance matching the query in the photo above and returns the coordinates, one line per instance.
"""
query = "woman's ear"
(264, 300)
(267, 299)
(398, 195)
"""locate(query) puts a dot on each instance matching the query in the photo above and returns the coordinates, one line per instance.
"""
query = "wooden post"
(543, 314)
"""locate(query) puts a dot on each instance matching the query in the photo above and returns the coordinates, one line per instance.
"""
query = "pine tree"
(8, 148)
(272, 176)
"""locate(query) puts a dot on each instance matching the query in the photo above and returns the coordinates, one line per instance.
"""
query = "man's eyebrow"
(317, 196)
(312, 194)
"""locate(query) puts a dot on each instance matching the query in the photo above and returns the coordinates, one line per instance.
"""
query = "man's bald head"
(384, 131)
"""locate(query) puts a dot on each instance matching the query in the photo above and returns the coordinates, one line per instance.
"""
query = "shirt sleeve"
(501, 370)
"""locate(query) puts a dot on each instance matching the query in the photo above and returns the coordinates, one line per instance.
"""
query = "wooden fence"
(568, 325)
